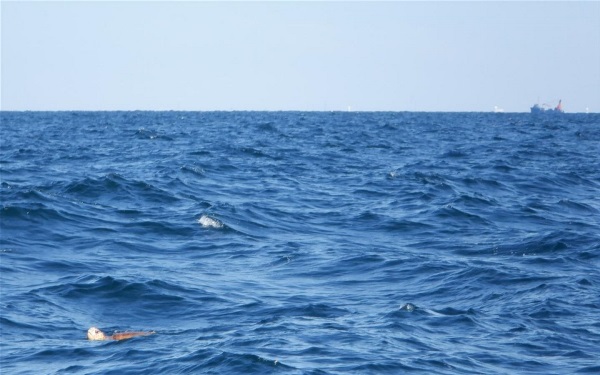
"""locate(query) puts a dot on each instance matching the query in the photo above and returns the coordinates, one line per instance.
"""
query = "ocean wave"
(209, 222)
(254, 242)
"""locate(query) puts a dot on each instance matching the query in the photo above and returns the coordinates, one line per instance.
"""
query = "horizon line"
(276, 110)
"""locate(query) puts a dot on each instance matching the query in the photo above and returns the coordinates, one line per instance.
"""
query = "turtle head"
(95, 334)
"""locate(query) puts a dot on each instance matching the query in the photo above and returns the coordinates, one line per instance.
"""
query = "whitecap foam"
(209, 222)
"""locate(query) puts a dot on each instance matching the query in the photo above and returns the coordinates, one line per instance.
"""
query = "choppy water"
(300, 243)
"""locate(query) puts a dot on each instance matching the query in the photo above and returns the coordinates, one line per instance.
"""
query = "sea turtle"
(95, 334)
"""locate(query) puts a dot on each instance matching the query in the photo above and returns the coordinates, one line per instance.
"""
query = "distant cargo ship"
(545, 108)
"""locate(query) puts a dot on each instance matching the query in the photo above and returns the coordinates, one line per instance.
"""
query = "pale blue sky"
(400, 56)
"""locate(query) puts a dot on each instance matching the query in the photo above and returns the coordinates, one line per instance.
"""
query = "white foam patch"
(209, 222)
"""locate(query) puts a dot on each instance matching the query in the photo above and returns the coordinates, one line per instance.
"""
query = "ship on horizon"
(545, 108)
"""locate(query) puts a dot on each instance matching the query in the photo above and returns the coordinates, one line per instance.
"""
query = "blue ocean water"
(300, 242)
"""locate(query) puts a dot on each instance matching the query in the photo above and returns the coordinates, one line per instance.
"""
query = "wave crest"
(209, 222)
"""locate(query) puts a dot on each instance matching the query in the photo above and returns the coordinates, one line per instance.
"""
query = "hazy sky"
(400, 56)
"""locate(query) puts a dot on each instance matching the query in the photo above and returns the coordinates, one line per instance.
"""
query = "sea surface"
(300, 242)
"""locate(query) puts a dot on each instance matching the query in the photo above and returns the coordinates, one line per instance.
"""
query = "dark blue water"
(300, 243)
